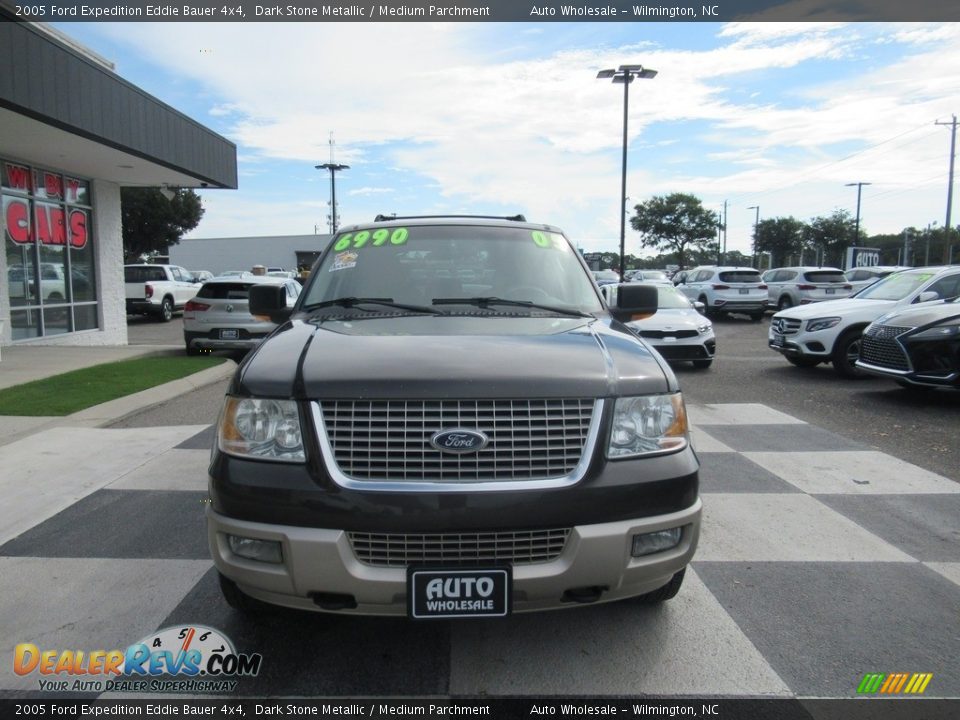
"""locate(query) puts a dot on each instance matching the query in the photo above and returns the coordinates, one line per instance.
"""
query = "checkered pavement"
(820, 560)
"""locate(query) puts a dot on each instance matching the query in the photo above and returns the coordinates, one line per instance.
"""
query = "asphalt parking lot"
(825, 554)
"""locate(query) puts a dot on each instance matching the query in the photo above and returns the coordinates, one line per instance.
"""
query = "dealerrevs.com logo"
(192, 658)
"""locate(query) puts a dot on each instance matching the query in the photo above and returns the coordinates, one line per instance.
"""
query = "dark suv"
(452, 421)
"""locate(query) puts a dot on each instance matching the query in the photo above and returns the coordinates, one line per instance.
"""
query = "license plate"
(777, 340)
(830, 291)
(744, 291)
(433, 594)
(229, 334)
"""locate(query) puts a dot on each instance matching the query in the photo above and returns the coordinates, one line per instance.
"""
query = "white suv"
(830, 331)
(791, 286)
(726, 290)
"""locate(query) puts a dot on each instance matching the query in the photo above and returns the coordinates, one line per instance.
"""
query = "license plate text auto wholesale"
(744, 291)
(831, 291)
(459, 593)
(229, 334)
(777, 340)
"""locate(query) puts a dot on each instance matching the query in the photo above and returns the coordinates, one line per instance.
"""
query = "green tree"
(781, 237)
(677, 223)
(151, 223)
(828, 237)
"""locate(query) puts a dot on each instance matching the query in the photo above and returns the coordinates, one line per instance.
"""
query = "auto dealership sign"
(862, 257)
(52, 224)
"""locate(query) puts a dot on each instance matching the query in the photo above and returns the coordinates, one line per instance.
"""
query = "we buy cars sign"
(51, 223)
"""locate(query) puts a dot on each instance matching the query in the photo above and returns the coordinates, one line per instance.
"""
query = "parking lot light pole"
(856, 231)
(334, 168)
(625, 74)
(756, 229)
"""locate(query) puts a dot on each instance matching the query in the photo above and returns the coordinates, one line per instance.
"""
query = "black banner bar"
(482, 10)
(640, 708)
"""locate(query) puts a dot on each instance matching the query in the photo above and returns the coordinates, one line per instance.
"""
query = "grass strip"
(79, 389)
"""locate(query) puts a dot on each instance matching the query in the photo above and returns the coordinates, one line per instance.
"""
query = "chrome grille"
(786, 326)
(522, 547)
(879, 347)
(390, 440)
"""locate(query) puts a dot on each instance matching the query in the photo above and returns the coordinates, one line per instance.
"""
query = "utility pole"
(947, 251)
(334, 168)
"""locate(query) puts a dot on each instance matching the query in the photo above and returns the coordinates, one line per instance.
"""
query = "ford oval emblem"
(459, 441)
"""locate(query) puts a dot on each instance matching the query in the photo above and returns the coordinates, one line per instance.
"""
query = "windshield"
(653, 275)
(669, 298)
(416, 265)
(895, 287)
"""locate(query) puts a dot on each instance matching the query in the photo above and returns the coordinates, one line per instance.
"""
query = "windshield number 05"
(379, 237)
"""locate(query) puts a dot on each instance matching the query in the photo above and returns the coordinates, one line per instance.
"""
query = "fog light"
(254, 549)
(654, 542)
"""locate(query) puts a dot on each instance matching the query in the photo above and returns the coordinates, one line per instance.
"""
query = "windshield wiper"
(485, 302)
(353, 302)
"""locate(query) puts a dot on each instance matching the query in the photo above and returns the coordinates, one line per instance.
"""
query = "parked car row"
(879, 330)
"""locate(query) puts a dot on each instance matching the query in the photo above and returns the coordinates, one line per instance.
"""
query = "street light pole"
(625, 74)
(756, 230)
(856, 231)
(334, 168)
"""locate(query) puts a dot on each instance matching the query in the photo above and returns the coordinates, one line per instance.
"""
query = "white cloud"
(542, 135)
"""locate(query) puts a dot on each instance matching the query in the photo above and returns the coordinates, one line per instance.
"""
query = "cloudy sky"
(500, 118)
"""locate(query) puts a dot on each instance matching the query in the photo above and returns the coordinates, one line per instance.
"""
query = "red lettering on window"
(73, 190)
(18, 227)
(18, 177)
(78, 229)
(53, 185)
(50, 226)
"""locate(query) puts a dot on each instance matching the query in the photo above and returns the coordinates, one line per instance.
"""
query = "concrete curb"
(118, 409)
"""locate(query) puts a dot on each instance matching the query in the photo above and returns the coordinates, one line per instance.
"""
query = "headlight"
(704, 328)
(646, 425)
(944, 331)
(267, 429)
(821, 323)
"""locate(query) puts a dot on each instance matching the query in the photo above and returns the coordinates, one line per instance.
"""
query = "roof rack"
(385, 218)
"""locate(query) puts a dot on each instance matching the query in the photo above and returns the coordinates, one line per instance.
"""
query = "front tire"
(785, 303)
(667, 592)
(236, 598)
(845, 353)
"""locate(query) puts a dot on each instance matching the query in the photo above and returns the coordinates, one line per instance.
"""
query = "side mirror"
(626, 302)
(270, 301)
(927, 296)
(699, 306)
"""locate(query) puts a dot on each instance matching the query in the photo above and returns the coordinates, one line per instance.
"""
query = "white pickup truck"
(158, 290)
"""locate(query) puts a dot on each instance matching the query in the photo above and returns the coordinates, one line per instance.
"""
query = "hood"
(837, 307)
(671, 319)
(922, 315)
(452, 357)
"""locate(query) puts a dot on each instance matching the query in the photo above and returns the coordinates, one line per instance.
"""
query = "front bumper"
(320, 561)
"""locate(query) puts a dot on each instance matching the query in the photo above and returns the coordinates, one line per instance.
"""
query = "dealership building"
(72, 134)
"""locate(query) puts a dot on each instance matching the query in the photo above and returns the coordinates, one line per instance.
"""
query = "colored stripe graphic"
(894, 683)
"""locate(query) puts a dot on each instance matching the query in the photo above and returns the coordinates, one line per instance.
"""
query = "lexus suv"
(831, 331)
(725, 290)
(415, 440)
(918, 347)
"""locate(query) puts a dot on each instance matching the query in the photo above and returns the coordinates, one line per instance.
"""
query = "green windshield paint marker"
(344, 242)
(399, 236)
(540, 239)
(361, 239)
(380, 237)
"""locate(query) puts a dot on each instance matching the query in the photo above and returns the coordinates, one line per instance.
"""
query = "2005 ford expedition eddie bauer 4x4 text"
(452, 421)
